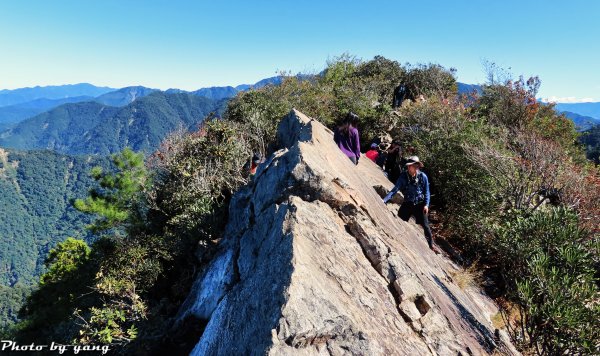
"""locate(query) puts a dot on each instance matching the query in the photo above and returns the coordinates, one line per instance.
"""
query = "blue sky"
(193, 44)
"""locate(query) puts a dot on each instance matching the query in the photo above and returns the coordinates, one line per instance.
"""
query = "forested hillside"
(15, 113)
(591, 140)
(37, 188)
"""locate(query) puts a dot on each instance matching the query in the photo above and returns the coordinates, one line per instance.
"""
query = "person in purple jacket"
(347, 138)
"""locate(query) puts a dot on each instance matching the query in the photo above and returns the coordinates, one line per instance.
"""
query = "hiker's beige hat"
(414, 160)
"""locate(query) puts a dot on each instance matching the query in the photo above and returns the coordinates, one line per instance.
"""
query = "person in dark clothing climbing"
(347, 138)
(392, 168)
(399, 96)
(414, 185)
(382, 156)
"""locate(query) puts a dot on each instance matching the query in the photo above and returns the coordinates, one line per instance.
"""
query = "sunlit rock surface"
(313, 262)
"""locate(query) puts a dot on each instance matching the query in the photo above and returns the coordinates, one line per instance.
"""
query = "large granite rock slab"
(314, 263)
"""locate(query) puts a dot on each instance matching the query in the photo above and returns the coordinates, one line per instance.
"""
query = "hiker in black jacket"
(392, 162)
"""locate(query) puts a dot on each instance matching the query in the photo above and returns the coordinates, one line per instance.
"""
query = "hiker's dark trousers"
(408, 209)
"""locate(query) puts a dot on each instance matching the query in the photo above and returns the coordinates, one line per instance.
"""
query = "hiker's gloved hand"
(426, 210)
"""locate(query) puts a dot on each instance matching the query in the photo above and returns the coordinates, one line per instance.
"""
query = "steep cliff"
(313, 262)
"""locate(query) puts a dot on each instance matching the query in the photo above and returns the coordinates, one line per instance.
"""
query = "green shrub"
(65, 259)
(431, 81)
(195, 175)
(48, 313)
(257, 112)
(551, 277)
(511, 104)
(346, 84)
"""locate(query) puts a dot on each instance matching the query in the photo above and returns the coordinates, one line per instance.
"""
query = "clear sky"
(192, 44)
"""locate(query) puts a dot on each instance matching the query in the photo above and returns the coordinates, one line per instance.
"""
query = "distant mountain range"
(15, 106)
(584, 109)
(23, 95)
(94, 128)
(584, 115)
(218, 93)
(124, 96)
(581, 122)
(26, 97)
(469, 88)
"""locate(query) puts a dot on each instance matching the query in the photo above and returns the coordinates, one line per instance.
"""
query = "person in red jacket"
(373, 153)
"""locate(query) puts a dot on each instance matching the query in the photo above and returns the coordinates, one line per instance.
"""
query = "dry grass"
(498, 321)
(511, 311)
(468, 277)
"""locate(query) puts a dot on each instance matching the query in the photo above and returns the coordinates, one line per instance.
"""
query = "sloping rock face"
(314, 263)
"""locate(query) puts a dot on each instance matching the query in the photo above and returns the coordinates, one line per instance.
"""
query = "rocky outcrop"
(313, 262)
